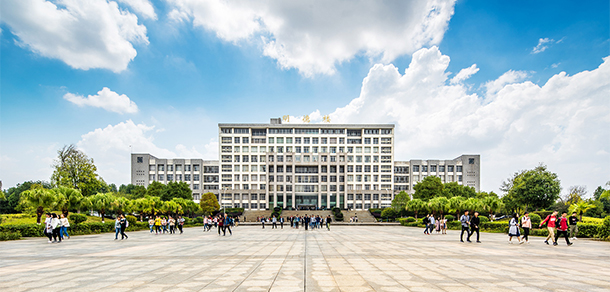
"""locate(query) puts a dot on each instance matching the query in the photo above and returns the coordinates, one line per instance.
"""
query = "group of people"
(557, 226)
(439, 224)
(310, 222)
(221, 221)
(56, 227)
(161, 225)
(120, 224)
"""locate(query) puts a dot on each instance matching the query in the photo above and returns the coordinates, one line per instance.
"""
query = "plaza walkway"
(348, 258)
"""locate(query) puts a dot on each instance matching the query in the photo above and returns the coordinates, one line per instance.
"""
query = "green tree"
(428, 188)
(121, 205)
(472, 205)
(67, 199)
(576, 194)
(74, 169)
(176, 190)
(102, 202)
(389, 213)
(537, 188)
(439, 205)
(417, 206)
(38, 199)
(400, 201)
(453, 189)
(581, 207)
(155, 189)
(209, 203)
(483, 195)
(12, 196)
(133, 191)
(492, 204)
(456, 205)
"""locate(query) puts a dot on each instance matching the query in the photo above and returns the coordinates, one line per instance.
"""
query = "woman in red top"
(550, 221)
(562, 228)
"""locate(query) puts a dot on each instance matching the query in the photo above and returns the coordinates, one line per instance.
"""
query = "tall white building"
(304, 166)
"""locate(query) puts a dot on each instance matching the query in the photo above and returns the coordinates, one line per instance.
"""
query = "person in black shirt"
(426, 220)
(573, 220)
(474, 226)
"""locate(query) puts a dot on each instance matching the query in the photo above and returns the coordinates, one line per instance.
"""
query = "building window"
(161, 167)
(151, 167)
(187, 177)
(195, 177)
(225, 130)
(195, 167)
(470, 160)
(151, 177)
(459, 168)
(140, 159)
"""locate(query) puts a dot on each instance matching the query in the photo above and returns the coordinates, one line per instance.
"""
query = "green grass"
(31, 219)
(592, 220)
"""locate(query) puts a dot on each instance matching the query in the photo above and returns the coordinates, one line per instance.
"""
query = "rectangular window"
(458, 168)
(161, 177)
(161, 167)
(187, 177)
(245, 140)
(151, 177)
(225, 130)
(226, 140)
(415, 168)
(151, 167)
(195, 177)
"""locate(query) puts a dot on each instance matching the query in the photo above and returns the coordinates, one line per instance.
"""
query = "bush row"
(35, 230)
(10, 235)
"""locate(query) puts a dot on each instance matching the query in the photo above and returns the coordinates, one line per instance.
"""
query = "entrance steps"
(363, 216)
(289, 213)
(251, 215)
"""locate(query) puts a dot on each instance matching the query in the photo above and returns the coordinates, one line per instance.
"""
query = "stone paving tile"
(349, 258)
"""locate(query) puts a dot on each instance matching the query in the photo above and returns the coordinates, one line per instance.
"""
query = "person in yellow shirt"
(157, 225)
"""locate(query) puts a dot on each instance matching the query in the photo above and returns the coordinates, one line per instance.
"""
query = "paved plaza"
(348, 258)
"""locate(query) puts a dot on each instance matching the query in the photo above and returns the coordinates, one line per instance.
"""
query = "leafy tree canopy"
(537, 188)
(428, 188)
(453, 189)
(176, 190)
(155, 189)
(11, 202)
(400, 200)
(209, 203)
(74, 169)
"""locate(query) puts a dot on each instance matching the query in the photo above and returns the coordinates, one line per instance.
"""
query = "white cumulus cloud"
(142, 7)
(106, 99)
(563, 123)
(84, 34)
(465, 74)
(111, 147)
(313, 37)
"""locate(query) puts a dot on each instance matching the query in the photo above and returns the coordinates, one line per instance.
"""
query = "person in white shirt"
(64, 227)
(56, 225)
(48, 229)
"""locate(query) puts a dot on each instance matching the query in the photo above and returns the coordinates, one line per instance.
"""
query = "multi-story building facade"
(304, 165)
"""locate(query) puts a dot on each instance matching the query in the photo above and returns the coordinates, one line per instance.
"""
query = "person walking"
(431, 224)
(426, 221)
(172, 225)
(157, 225)
(274, 223)
(180, 223)
(227, 225)
(474, 226)
(64, 226)
(117, 227)
(164, 224)
(263, 222)
(562, 228)
(151, 224)
(328, 221)
(124, 225)
(573, 220)
(48, 227)
(513, 229)
(465, 220)
(444, 225)
(282, 222)
(550, 223)
(438, 225)
(526, 224)
(220, 226)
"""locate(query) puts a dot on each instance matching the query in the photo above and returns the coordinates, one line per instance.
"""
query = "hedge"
(35, 230)
(449, 218)
(10, 235)
(77, 218)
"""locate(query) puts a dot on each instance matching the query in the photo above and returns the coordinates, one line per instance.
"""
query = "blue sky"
(174, 69)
